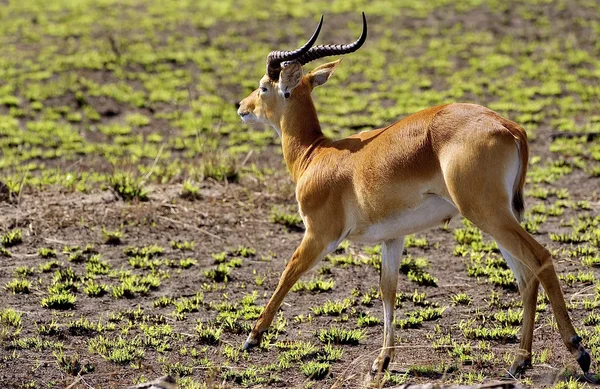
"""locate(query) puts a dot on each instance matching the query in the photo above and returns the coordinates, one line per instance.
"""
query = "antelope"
(380, 185)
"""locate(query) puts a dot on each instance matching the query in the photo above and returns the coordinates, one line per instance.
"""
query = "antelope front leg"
(311, 250)
(388, 281)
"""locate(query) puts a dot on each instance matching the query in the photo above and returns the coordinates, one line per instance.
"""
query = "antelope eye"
(263, 89)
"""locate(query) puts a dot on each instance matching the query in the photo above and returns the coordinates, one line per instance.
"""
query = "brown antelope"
(380, 185)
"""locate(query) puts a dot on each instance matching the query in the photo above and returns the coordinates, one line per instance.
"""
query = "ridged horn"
(276, 57)
(328, 50)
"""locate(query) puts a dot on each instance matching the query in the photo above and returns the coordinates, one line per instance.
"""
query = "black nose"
(237, 105)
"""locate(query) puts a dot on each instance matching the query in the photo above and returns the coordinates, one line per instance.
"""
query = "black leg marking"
(386, 363)
(584, 358)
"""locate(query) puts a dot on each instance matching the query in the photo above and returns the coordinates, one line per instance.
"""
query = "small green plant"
(415, 269)
(366, 320)
(163, 301)
(412, 321)
(12, 238)
(506, 334)
(461, 299)
(582, 277)
(332, 308)
(412, 241)
(289, 220)
(242, 251)
(208, 334)
(93, 289)
(48, 329)
(47, 267)
(177, 369)
(47, 252)
(84, 327)
(183, 245)
(186, 263)
(137, 120)
(24, 271)
(112, 237)
(184, 304)
(592, 319)
(9, 317)
(315, 285)
(71, 364)
(509, 317)
(219, 257)
(18, 286)
(338, 335)
(315, 370)
(127, 187)
(62, 300)
(220, 274)
(118, 350)
(190, 190)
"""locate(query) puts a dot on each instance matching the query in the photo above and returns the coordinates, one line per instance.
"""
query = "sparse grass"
(315, 370)
(337, 335)
(112, 237)
(9, 318)
(503, 334)
(183, 245)
(47, 252)
(94, 289)
(366, 320)
(12, 238)
(219, 274)
(242, 251)
(315, 285)
(145, 92)
(287, 219)
(61, 300)
(127, 187)
(208, 334)
(190, 190)
(118, 350)
(461, 299)
(71, 363)
(415, 269)
(332, 308)
(17, 286)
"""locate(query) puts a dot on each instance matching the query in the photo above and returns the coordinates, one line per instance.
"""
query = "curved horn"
(276, 57)
(328, 50)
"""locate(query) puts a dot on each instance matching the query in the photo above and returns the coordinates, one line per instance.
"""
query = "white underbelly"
(432, 212)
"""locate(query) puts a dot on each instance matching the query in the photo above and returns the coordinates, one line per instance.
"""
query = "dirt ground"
(229, 215)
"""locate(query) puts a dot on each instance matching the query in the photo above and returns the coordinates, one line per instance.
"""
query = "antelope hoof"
(584, 360)
(583, 357)
(380, 365)
(591, 378)
(253, 340)
(519, 367)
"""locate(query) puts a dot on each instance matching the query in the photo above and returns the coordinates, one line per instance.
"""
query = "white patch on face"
(249, 118)
(253, 119)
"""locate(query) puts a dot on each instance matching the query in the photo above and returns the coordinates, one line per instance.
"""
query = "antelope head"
(285, 89)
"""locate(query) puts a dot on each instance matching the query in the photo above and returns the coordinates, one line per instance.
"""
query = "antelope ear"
(290, 77)
(321, 74)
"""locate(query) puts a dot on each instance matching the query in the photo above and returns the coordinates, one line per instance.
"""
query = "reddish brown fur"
(460, 153)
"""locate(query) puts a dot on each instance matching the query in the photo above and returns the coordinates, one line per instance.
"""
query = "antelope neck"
(301, 137)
